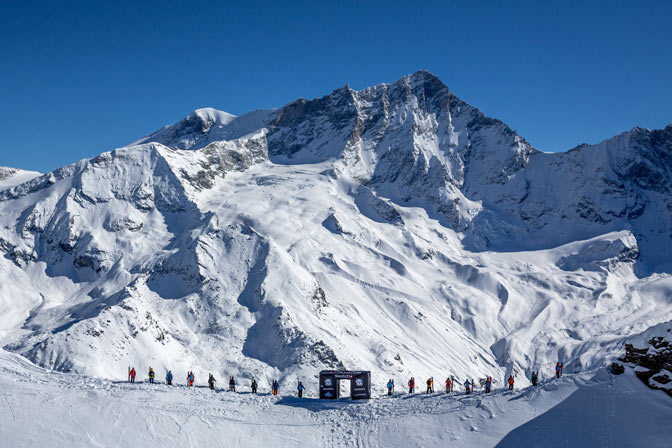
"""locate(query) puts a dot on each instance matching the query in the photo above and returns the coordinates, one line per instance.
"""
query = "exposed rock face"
(6, 172)
(654, 362)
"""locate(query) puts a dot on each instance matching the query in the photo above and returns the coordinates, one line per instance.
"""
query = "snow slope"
(75, 410)
(395, 229)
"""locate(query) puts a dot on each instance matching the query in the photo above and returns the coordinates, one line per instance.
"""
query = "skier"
(300, 389)
(558, 369)
(535, 378)
(254, 386)
(190, 378)
(232, 384)
(430, 385)
(449, 384)
(511, 382)
(151, 375)
(488, 384)
(467, 387)
(275, 386)
(411, 385)
(131, 375)
(211, 381)
(390, 387)
(169, 378)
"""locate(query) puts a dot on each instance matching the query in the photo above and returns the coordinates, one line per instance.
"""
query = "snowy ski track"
(54, 409)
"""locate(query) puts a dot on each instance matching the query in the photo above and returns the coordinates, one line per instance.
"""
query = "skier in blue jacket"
(169, 378)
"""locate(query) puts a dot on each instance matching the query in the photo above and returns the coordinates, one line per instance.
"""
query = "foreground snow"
(585, 410)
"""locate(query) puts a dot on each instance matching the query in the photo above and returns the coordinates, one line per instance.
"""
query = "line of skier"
(191, 378)
(450, 385)
(470, 384)
(275, 385)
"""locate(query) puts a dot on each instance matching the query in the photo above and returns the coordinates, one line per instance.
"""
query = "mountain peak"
(422, 78)
(190, 131)
(211, 115)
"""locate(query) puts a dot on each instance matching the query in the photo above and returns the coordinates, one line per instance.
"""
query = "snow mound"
(602, 254)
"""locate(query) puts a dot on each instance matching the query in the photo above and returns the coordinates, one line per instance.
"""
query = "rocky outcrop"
(653, 364)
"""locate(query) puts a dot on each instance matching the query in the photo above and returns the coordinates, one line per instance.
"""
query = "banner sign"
(360, 384)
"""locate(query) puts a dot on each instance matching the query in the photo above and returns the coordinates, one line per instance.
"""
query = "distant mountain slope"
(415, 143)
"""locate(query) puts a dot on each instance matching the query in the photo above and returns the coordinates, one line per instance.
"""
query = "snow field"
(587, 410)
(231, 284)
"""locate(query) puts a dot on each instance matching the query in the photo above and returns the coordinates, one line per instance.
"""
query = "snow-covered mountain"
(395, 228)
(14, 176)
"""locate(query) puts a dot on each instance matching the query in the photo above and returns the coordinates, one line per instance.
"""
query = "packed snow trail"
(591, 409)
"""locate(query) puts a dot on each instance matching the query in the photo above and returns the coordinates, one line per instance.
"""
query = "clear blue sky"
(80, 78)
